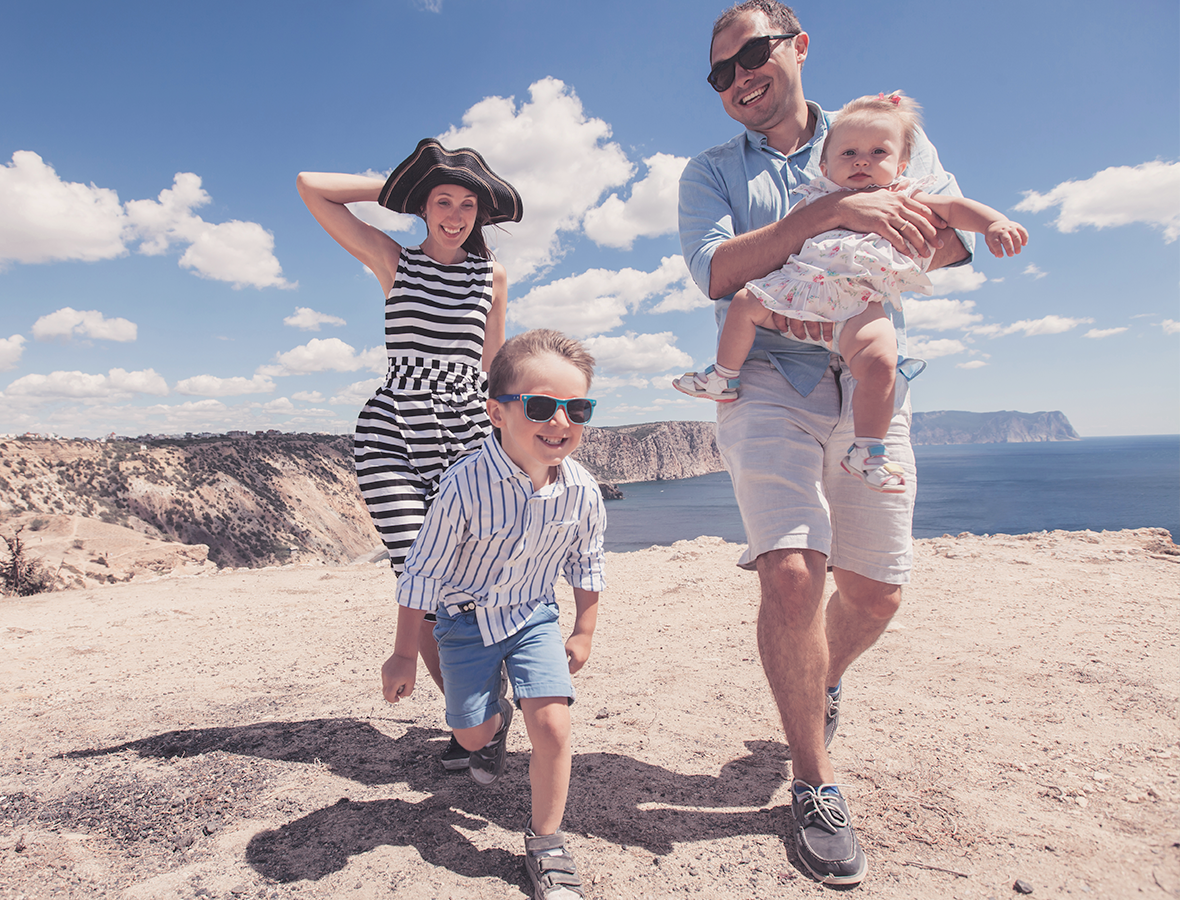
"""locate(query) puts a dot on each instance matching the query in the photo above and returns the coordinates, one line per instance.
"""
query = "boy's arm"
(401, 670)
(577, 647)
(1003, 236)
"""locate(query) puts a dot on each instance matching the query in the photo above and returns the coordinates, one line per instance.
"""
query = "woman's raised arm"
(326, 194)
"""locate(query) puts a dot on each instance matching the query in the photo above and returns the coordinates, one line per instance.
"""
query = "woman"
(445, 310)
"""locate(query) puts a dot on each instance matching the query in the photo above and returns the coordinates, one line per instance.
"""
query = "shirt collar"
(758, 140)
(503, 468)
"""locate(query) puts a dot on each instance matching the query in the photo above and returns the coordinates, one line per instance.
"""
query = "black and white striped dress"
(431, 409)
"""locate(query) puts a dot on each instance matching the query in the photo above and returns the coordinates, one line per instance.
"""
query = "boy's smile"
(539, 447)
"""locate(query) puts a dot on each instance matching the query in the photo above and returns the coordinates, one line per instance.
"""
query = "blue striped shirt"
(490, 538)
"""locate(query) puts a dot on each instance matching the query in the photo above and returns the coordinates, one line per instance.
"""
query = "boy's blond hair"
(508, 366)
(904, 110)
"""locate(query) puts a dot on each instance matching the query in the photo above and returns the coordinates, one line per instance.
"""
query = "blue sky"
(158, 272)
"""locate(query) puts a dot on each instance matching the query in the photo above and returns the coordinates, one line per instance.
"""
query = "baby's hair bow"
(893, 98)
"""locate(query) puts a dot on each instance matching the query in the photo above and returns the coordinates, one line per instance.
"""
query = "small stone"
(602, 713)
(1022, 887)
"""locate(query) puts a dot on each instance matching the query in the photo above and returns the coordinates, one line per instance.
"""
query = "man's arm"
(756, 254)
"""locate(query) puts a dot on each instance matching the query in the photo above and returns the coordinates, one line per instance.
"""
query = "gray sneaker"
(824, 838)
(832, 715)
(487, 763)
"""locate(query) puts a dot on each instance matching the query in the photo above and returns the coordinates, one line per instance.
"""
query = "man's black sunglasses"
(753, 55)
(542, 407)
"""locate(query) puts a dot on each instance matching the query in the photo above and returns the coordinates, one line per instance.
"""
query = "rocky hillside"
(1005, 427)
(658, 451)
(253, 501)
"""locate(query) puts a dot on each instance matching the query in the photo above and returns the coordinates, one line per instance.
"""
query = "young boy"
(508, 518)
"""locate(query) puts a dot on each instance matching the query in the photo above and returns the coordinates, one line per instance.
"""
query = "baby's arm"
(401, 670)
(577, 647)
(1001, 233)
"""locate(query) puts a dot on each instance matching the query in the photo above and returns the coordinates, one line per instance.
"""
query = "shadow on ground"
(613, 797)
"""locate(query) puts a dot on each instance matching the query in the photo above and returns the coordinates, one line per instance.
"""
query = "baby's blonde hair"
(904, 110)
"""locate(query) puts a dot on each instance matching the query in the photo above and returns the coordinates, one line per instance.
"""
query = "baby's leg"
(737, 336)
(869, 346)
(548, 723)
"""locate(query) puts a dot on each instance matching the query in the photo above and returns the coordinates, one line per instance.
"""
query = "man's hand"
(1005, 236)
(896, 218)
(800, 329)
(398, 676)
(577, 651)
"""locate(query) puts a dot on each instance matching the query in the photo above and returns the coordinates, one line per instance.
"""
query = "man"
(784, 437)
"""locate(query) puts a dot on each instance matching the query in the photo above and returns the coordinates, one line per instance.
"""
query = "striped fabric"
(490, 538)
(431, 409)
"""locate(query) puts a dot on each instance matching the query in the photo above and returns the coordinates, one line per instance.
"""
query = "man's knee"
(868, 597)
(791, 579)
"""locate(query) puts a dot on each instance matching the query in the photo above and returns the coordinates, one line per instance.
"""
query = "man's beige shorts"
(783, 452)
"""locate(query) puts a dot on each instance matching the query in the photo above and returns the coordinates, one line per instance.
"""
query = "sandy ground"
(223, 736)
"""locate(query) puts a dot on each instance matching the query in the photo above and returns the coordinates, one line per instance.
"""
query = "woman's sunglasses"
(753, 55)
(542, 408)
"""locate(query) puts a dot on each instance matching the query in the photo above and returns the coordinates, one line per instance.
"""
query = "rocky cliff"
(657, 451)
(254, 501)
(1005, 427)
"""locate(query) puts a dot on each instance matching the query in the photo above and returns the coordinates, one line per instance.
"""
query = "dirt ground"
(223, 736)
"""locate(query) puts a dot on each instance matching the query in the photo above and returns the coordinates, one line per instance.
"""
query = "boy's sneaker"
(824, 839)
(456, 757)
(708, 385)
(872, 466)
(487, 763)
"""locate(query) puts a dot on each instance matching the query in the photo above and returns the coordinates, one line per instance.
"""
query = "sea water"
(1095, 483)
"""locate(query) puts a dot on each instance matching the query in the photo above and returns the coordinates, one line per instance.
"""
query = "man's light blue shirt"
(745, 184)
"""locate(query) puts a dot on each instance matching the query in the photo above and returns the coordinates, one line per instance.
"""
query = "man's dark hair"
(781, 17)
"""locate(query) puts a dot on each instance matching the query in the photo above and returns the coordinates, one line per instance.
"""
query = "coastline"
(1018, 720)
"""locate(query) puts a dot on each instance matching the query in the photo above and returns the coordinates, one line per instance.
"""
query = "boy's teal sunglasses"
(542, 407)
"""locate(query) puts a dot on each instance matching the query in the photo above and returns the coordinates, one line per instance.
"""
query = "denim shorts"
(783, 452)
(535, 656)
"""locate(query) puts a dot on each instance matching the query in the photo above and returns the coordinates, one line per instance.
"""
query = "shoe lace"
(822, 808)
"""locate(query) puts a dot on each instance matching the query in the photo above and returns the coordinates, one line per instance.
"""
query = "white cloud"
(44, 219)
(956, 280)
(638, 352)
(595, 300)
(1119, 195)
(280, 404)
(241, 253)
(939, 314)
(1032, 327)
(1034, 271)
(604, 384)
(324, 355)
(559, 159)
(650, 211)
(10, 352)
(308, 396)
(972, 364)
(378, 216)
(67, 322)
(923, 348)
(212, 386)
(1104, 332)
(356, 394)
(81, 386)
(308, 319)
(1170, 326)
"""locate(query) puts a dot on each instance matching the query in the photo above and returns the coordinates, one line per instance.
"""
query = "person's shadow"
(612, 796)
